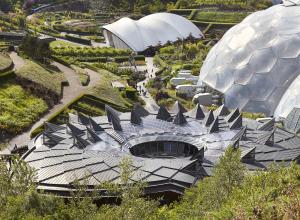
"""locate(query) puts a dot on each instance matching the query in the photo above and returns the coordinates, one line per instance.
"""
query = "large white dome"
(257, 60)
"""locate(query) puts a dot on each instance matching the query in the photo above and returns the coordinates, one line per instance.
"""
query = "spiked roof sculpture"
(209, 118)
(179, 119)
(169, 152)
(163, 114)
(197, 113)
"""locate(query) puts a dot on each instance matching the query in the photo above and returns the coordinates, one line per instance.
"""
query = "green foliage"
(253, 115)
(83, 75)
(231, 193)
(39, 74)
(114, 68)
(222, 17)
(78, 39)
(5, 63)
(192, 55)
(15, 180)
(72, 51)
(18, 108)
(265, 195)
(131, 93)
(35, 48)
(106, 92)
(236, 4)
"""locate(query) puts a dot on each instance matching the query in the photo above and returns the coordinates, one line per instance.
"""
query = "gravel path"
(70, 92)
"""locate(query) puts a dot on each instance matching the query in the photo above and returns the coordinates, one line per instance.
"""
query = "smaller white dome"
(153, 30)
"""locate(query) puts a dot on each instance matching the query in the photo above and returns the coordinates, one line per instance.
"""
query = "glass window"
(153, 148)
(168, 147)
(186, 149)
(160, 147)
(147, 148)
(180, 148)
(174, 148)
(142, 149)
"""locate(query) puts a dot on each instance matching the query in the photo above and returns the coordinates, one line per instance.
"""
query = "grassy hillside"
(49, 79)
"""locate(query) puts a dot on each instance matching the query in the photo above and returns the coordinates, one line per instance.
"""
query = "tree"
(212, 191)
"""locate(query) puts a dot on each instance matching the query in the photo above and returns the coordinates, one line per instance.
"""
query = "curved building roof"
(170, 151)
(153, 30)
(257, 60)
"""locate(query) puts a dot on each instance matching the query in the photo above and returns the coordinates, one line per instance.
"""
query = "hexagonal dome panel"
(257, 60)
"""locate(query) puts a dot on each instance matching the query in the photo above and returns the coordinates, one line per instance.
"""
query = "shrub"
(78, 39)
(131, 93)
(18, 108)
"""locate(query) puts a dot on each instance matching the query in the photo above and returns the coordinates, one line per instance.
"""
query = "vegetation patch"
(222, 17)
(83, 75)
(63, 49)
(230, 193)
(61, 43)
(36, 73)
(5, 63)
(18, 108)
(105, 90)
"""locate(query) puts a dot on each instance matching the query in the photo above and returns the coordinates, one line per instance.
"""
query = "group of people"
(141, 90)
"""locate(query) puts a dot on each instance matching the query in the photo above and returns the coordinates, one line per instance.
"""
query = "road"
(70, 92)
(151, 105)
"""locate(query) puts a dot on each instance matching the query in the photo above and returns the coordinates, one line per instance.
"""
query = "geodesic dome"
(256, 61)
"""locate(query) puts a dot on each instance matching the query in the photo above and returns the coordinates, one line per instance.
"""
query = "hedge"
(215, 24)
(61, 60)
(7, 69)
(78, 40)
(121, 59)
(131, 93)
(92, 59)
(181, 11)
(9, 74)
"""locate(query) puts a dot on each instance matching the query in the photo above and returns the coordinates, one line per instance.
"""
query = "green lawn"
(233, 4)
(60, 43)
(47, 78)
(222, 17)
(18, 108)
(5, 61)
(105, 91)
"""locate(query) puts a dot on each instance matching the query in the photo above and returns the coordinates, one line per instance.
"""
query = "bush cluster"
(230, 193)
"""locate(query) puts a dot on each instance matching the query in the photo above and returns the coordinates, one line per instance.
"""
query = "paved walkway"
(70, 92)
(151, 105)
(18, 61)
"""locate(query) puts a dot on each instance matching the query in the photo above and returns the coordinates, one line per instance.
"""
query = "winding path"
(70, 92)
(75, 89)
